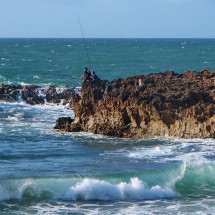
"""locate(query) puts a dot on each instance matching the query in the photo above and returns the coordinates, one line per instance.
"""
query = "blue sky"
(108, 18)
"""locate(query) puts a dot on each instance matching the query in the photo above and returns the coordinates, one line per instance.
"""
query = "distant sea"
(43, 171)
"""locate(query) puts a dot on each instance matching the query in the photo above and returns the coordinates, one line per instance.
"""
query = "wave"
(198, 179)
(174, 149)
(80, 190)
(94, 189)
(192, 180)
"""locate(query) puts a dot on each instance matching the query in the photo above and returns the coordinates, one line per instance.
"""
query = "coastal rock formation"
(33, 94)
(160, 104)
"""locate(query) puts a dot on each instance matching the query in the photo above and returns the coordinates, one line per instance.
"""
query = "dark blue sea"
(44, 171)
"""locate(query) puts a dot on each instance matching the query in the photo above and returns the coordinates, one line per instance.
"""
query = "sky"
(107, 18)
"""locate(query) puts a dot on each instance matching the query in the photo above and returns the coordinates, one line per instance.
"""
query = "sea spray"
(96, 189)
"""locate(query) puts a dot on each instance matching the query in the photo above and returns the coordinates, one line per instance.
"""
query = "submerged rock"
(161, 104)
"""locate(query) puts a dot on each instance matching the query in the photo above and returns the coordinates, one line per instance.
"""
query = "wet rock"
(34, 95)
(56, 95)
(63, 123)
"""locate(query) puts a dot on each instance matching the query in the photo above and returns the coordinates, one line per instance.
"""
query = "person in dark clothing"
(87, 74)
(94, 77)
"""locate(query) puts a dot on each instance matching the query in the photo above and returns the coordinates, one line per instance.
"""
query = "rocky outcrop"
(161, 104)
(33, 94)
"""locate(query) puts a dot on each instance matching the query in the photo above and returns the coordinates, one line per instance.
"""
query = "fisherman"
(87, 74)
(94, 77)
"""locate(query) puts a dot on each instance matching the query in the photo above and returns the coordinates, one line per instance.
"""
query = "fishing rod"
(85, 44)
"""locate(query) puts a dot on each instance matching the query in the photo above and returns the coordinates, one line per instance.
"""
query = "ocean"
(44, 171)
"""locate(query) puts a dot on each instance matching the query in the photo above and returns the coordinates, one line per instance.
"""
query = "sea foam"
(94, 189)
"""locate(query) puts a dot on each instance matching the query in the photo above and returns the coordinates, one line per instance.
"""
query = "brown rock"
(161, 104)
(63, 123)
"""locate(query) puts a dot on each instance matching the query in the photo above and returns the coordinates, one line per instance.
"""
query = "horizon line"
(107, 37)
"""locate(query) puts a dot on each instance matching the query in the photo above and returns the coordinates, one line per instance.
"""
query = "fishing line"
(85, 44)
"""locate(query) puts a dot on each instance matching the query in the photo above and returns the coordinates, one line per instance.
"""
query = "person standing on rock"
(94, 77)
(87, 74)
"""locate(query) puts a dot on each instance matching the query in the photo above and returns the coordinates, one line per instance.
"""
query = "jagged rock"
(63, 123)
(55, 95)
(33, 94)
(31, 97)
(160, 104)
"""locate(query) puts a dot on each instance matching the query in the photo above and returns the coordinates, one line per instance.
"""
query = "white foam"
(188, 150)
(24, 83)
(13, 190)
(12, 118)
(60, 89)
(60, 208)
(152, 152)
(5, 59)
(36, 77)
(94, 189)
(8, 82)
(19, 97)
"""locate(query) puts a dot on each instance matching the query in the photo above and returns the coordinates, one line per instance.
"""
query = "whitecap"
(23, 83)
(94, 189)
(12, 118)
(5, 59)
(151, 152)
(36, 77)
(86, 189)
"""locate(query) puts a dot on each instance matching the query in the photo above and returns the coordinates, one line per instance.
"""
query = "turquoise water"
(43, 171)
(61, 61)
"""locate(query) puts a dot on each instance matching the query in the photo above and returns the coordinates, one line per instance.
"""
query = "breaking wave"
(135, 189)
(192, 180)
(81, 190)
